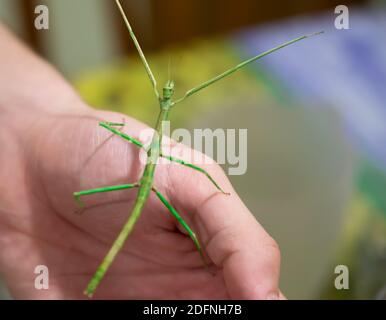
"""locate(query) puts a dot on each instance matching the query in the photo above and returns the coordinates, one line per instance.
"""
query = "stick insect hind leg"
(178, 217)
(79, 194)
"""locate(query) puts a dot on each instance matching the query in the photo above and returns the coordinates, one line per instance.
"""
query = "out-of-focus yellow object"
(362, 250)
(123, 86)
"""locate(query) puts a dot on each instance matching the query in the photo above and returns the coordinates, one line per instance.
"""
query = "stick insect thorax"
(166, 104)
(154, 152)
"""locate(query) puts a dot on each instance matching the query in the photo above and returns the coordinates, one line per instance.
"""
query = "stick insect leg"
(176, 215)
(190, 165)
(241, 65)
(79, 194)
(140, 52)
(110, 126)
(115, 124)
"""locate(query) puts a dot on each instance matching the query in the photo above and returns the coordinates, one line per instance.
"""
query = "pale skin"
(51, 145)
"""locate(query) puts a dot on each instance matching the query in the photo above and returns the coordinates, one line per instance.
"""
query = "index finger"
(232, 237)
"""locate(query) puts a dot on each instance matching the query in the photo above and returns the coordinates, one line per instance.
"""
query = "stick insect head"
(168, 89)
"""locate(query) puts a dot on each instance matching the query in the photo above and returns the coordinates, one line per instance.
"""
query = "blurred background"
(315, 112)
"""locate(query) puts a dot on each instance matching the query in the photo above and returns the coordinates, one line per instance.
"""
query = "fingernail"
(272, 296)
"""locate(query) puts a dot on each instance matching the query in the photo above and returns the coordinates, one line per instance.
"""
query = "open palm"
(40, 223)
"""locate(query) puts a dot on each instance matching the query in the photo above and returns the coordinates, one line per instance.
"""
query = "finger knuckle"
(274, 248)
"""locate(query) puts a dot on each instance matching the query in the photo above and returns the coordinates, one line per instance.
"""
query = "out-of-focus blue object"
(342, 69)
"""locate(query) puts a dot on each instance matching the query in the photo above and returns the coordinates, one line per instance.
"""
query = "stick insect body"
(145, 184)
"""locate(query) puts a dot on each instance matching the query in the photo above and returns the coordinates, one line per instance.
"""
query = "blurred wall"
(87, 33)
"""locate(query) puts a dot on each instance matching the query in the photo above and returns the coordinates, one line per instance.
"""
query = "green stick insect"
(145, 184)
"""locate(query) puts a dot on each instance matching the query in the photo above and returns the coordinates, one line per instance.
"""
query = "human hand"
(65, 152)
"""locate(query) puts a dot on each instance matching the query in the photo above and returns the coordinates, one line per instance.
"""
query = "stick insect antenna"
(140, 52)
(241, 65)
